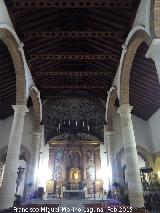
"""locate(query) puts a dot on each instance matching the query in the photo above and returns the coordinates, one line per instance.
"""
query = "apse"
(73, 117)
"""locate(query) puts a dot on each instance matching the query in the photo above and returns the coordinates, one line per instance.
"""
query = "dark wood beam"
(138, 102)
(72, 4)
(73, 86)
(74, 34)
(6, 110)
(150, 87)
(8, 92)
(7, 85)
(76, 74)
(145, 99)
(73, 56)
(11, 98)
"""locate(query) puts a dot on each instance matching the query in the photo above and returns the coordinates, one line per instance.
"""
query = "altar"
(74, 194)
(75, 167)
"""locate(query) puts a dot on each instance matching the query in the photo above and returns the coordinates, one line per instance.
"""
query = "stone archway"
(136, 40)
(142, 152)
(145, 155)
(112, 95)
(24, 155)
(10, 42)
(37, 107)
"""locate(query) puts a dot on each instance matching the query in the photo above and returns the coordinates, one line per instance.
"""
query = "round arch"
(37, 107)
(145, 155)
(11, 43)
(24, 153)
(112, 95)
(136, 40)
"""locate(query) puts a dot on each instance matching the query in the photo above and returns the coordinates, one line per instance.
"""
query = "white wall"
(105, 173)
(4, 16)
(154, 127)
(6, 125)
(5, 128)
(142, 133)
(143, 15)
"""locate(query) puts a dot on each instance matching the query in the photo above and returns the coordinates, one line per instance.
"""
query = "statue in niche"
(90, 157)
(90, 168)
(75, 175)
(90, 173)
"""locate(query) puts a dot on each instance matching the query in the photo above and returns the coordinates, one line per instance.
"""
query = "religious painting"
(90, 156)
(58, 167)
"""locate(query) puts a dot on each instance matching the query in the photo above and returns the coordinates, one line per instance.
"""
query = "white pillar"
(8, 186)
(104, 165)
(154, 53)
(132, 167)
(34, 160)
(112, 161)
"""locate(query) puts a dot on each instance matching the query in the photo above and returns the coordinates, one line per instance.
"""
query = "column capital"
(154, 49)
(37, 132)
(20, 108)
(108, 132)
(125, 109)
(20, 46)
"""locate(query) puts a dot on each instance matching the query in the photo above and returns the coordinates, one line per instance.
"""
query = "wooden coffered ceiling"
(76, 46)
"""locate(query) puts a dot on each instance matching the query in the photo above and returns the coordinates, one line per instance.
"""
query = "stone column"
(84, 164)
(154, 53)
(34, 160)
(112, 161)
(97, 164)
(132, 167)
(8, 186)
(64, 163)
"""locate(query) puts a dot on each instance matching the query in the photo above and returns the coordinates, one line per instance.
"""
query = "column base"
(30, 193)
(136, 201)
